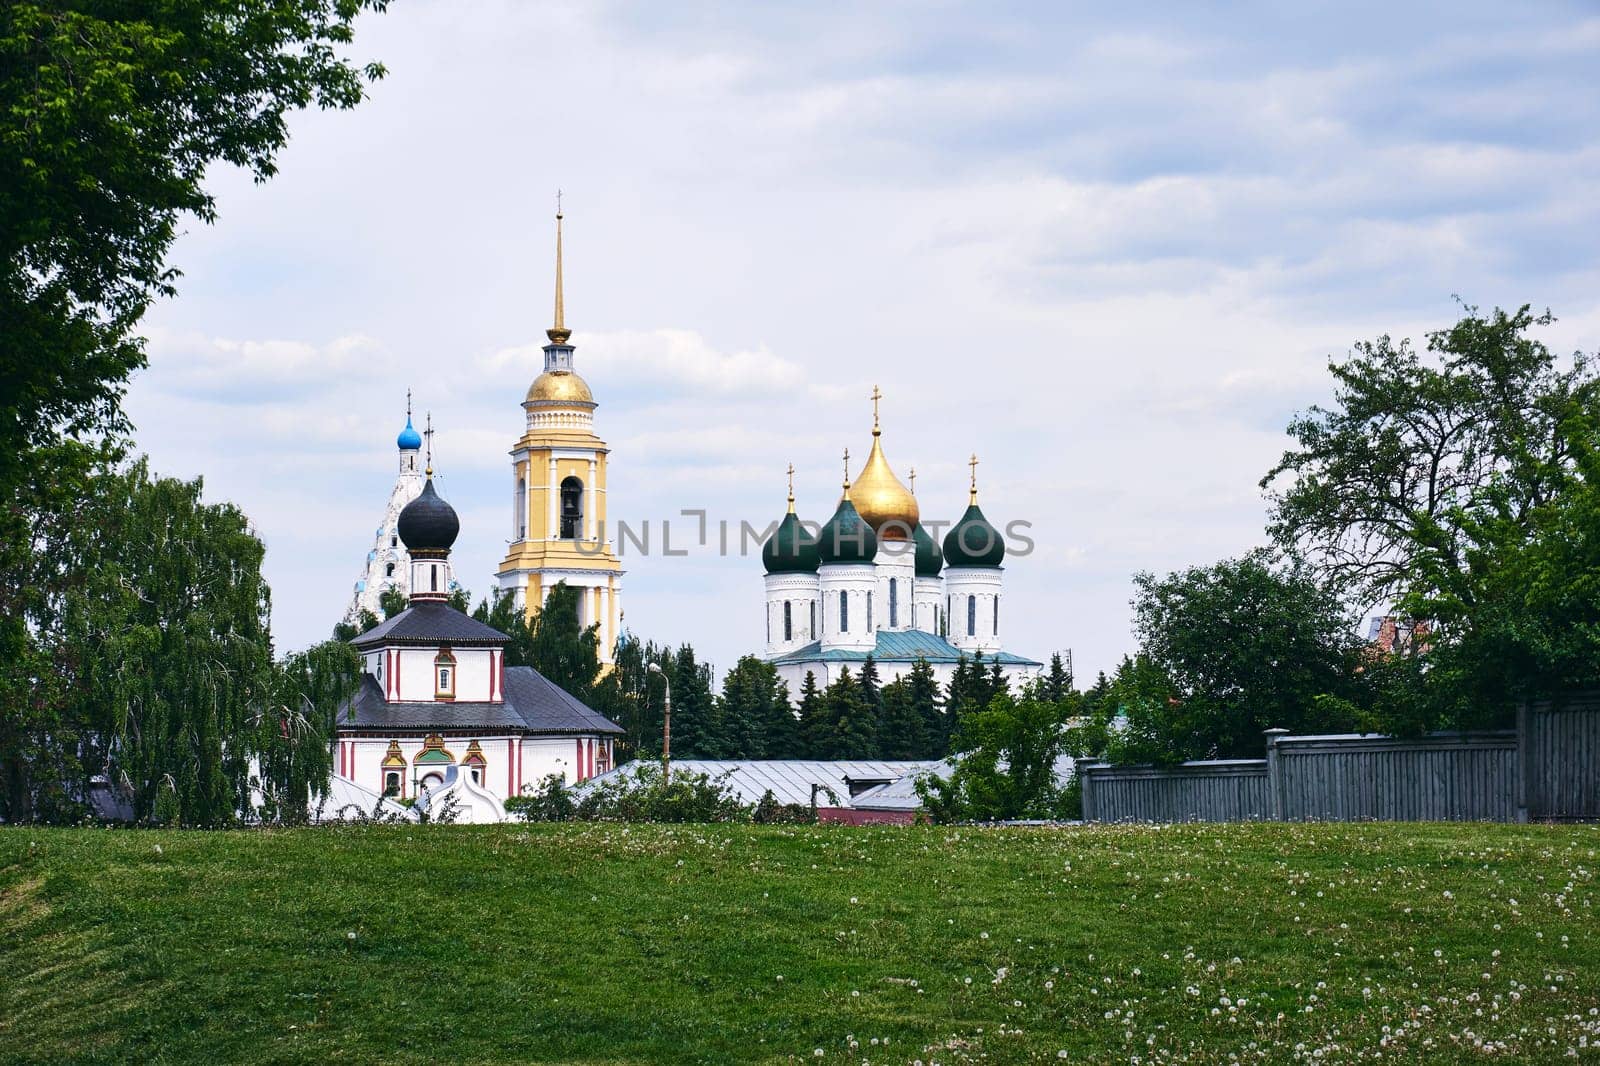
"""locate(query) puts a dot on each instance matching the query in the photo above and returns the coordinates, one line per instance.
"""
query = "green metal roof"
(902, 646)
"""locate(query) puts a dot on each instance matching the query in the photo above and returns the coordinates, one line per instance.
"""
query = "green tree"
(294, 738)
(631, 696)
(754, 702)
(391, 601)
(1243, 646)
(1058, 680)
(1428, 472)
(1006, 765)
(924, 696)
(813, 719)
(696, 732)
(559, 647)
(901, 728)
(110, 115)
(851, 721)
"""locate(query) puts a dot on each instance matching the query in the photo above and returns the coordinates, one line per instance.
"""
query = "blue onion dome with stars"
(973, 541)
(428, 523)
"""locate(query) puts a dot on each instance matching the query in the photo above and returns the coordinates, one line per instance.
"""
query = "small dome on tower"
(929, 559)
(847, 537)
(790, 549)
(409, 438)
(973, 541)
(428, 523)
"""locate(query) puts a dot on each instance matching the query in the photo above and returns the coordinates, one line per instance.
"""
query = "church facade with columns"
(871, 581)
(558, 493)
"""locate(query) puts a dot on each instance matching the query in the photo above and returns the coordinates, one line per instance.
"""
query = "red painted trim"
(511, 767)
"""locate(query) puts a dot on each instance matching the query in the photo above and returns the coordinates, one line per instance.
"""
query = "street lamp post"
(666, 723)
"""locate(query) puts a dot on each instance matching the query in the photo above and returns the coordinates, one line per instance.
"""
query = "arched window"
(972, 616)
(522, 508)
(391, 783)
(997, 616)
(894, 603)
(813, 630)
(788, 622)
(571, 508)
(844, 612)
(869, 611)
(444, 668)
(388, 571)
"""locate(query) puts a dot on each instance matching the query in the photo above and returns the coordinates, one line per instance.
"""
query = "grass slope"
(590, 943)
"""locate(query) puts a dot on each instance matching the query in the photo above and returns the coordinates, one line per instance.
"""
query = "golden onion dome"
(882, 500)
(559, 386)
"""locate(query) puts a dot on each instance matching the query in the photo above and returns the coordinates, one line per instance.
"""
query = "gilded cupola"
(880, 498)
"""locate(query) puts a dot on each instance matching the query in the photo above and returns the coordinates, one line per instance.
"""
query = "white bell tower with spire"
(388, 564)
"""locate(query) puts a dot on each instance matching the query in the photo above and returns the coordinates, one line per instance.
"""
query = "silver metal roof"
(789, 780)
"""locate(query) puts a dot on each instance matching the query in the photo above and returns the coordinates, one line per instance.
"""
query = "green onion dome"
(790, 549)
(847, 538)
(929, 560)
(973, 541)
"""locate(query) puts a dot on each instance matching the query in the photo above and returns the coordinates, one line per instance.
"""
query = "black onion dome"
(790, 549)
(973, 541)
(427, 523)
(847, 538)
(929, 560)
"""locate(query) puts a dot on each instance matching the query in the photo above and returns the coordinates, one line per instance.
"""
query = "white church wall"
(895, 567)
(418, 683)
(971, 594)
(856, 582)
(929, 607)
(800, 592)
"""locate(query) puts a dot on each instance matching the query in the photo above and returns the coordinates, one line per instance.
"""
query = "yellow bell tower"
(558, 477)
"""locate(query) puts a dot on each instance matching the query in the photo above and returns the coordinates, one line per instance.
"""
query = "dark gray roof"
(789, 780)
(532, 705)
(545, 707)
(430, 623)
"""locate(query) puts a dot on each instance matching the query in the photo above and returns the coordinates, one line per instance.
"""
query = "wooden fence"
(1548, 768)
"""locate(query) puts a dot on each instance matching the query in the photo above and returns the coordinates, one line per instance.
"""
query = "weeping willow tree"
(160, 673)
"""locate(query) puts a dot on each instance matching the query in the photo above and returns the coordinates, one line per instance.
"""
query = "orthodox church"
(438, 710)
(873, 581)
(437, 702)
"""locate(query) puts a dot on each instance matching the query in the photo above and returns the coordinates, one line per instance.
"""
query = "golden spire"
(791, 488)
(427, 435)
(558, 334)
(847, 473)
(973, 462)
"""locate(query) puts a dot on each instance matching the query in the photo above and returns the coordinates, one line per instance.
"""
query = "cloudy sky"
(1110, 250)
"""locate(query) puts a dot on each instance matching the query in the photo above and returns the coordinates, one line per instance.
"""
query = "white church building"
(871, 581)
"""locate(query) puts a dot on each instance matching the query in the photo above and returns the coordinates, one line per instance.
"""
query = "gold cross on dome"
(912, 477)
(876, 396)
(790, 472)
(847, 468)
(973, 462)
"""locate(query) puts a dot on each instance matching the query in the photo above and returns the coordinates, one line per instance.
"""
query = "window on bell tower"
(571, 508)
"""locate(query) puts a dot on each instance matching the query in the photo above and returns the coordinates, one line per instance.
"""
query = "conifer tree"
(1058, 681)
(631, 696)
(748, 693)
(695, 729)
(559, 648)
(924, 694)
(900, 726)
(812, 726)
(851, 722)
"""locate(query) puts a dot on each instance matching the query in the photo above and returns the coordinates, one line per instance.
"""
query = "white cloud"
(1110, 253)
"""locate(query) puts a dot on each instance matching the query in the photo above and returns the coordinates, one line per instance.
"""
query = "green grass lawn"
(603, 943)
